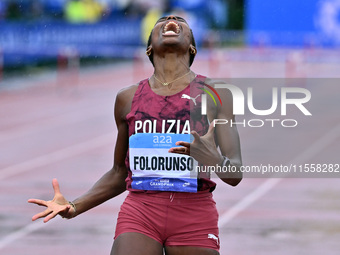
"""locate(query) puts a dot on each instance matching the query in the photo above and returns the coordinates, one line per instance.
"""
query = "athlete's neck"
(170, 67)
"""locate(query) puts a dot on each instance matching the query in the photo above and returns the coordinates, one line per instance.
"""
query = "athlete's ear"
(192, 50)
(148, 51)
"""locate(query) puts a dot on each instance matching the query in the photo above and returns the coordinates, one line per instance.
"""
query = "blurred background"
(52, 33)
(36, 32)
(62, 62)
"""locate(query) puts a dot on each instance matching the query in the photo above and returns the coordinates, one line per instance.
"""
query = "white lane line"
(48, 123)
(23, 232)
(43, 161)
(267, 185)
(56, 156)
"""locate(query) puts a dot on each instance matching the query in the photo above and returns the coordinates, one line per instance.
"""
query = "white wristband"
(74, 208)
(225, 161)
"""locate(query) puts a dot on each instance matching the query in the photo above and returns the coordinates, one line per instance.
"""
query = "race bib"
(154, 168)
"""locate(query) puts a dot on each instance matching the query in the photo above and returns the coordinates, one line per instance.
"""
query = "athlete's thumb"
(55, 185)
(195, 135)
(211, 130)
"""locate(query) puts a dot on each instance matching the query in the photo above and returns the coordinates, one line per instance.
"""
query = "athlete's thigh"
(136, 244)
(189, 250)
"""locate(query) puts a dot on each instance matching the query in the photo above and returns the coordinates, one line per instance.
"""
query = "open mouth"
(171, 28)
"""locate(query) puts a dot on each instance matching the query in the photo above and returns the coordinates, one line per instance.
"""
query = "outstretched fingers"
(52, 211)
(56, 187)
(37, 201)
(41, 214)
(59, 205)
(50, 216)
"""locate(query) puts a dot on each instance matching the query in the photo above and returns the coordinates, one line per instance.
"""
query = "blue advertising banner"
(24, 42)
(293, 23)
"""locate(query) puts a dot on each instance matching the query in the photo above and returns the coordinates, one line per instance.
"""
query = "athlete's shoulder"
(223, 92)
(127, 93)
(124, 100)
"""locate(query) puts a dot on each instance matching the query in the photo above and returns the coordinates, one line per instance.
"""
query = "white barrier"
(68, 63)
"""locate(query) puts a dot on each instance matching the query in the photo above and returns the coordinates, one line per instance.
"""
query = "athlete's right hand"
(58, 205)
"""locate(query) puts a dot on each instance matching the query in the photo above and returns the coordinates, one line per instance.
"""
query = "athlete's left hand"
(203, 148)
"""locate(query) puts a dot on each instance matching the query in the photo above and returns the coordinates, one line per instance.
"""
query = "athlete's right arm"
(109, 185)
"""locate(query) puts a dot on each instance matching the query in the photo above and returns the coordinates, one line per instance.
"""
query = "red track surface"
(61, 126)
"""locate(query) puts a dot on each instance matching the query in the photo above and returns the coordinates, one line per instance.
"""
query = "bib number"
(154, 168)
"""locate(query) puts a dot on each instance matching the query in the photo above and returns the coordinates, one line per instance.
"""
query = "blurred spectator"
(141, 7)
(2, 10)
(54, 8)
(106, 8)
(93, 11)
(74, 11)
(35, 10)
(149, 22)
(13, 11)
(83, 11)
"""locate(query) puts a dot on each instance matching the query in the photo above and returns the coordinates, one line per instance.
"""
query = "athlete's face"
(170, 31)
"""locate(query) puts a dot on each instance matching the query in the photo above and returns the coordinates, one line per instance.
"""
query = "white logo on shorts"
(212, 236)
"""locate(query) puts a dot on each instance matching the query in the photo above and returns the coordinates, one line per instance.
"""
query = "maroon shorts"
(171, 218)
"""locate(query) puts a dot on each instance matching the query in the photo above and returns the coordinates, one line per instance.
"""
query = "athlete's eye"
(180, 19)
(161, 19)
